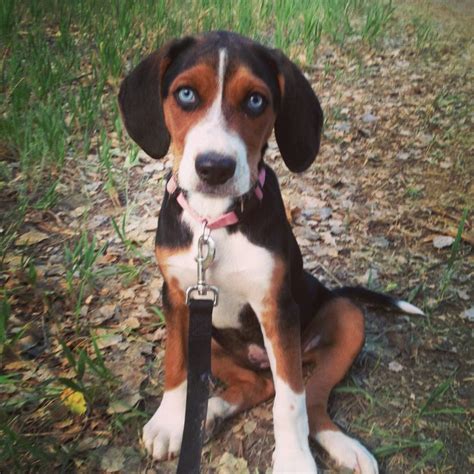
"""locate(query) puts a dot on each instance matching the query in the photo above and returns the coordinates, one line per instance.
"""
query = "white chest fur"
(241, 271)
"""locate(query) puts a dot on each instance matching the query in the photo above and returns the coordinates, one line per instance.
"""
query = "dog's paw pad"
(347, 452)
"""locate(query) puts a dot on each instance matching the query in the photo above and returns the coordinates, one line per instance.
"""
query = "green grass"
(63, 61)
(61, 65)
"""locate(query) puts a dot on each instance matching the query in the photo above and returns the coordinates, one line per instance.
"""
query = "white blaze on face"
(211, 135)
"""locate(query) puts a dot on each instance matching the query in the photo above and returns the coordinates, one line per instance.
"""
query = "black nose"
(214, 168)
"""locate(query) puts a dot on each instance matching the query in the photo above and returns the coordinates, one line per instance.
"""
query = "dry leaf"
(113, 460)
(131, 323)
(123, 405)
(249, 427)
(74, 401)
(31, 237)
(107, 340)
(229, 464)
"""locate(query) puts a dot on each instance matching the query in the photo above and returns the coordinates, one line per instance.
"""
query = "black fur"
(299, 116)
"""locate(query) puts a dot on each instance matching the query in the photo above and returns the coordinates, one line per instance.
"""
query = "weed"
(455, 249)
(7, 341)
(414, 193)
(159, 313)
(79, 263)
(377, 17)
(78, 362)
(425, 34)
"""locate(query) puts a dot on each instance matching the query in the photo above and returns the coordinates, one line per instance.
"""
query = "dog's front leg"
(279, 320)
(163, 434)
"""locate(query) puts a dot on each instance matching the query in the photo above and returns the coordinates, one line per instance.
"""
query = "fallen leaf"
(229, 464)
(113, 460)
(74, 401)
(249, 427)
(123, 405)
(31, 237)
(79, 211)
(91, 442)
(131, 323)
(107, 340)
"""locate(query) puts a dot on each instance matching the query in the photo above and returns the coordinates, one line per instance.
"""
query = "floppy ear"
(300, 119)
(140, 99)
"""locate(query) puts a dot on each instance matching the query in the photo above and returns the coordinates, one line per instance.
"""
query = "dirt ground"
(381, 206)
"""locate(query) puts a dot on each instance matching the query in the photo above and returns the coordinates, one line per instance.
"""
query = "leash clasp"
(204, 259)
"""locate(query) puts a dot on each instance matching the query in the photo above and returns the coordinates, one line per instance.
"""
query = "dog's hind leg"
(245, 388)
(332, 342)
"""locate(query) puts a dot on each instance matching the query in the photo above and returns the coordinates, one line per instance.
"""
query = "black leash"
(199, 358)
(199, 373)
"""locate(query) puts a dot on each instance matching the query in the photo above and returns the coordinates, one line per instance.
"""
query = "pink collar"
(224, 220)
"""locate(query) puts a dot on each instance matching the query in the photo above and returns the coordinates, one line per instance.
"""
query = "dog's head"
(216, 99)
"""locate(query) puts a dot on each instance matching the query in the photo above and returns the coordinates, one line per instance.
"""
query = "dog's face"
(217, 98)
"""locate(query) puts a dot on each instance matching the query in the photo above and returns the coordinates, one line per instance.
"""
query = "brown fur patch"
(254, 131)
(340, 325)
(285, 341)
(177, 323)
(203, 79)
(245, 388)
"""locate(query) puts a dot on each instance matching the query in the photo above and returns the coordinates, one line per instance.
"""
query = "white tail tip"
(409, 308)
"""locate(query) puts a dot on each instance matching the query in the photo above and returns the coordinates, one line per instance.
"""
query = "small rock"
(442, 241)
(153, 167)
(369, 276)
(403, 156)
(325, 213)
(342, 127)
(380, 241)
(463, 295)
(469, 314)
(369, 118)
(395, 366)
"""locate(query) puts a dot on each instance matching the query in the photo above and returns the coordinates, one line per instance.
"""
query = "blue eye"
(186, 98)
(255, 104)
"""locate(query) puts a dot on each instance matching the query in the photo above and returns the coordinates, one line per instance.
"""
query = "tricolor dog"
(215, 99)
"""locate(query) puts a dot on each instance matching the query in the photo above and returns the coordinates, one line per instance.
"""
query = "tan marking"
(254, 131)
(245, 388)
(340, 325)
(203, 79)
(177, 323)
(281, 83)
(285, 341)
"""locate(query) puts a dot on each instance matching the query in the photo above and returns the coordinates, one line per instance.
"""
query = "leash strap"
(199, 373)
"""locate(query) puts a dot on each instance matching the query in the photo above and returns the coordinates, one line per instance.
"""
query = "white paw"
(163, 434)
(217, 411)
(347, 452)
(296, 461)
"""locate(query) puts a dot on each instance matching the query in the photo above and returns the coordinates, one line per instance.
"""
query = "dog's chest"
(242, 272)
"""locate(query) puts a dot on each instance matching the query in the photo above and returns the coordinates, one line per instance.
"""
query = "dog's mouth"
(219, 190)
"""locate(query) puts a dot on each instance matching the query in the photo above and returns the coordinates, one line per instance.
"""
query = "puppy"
(215, 99)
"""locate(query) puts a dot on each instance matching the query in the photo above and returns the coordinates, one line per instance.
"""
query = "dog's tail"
(378, 299)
